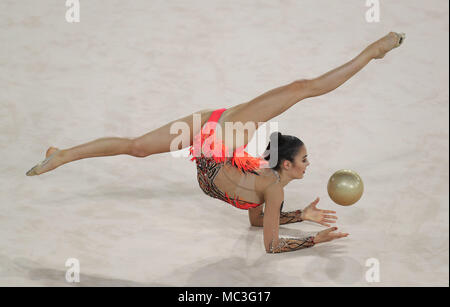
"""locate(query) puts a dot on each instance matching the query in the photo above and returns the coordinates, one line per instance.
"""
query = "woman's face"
(298, 168)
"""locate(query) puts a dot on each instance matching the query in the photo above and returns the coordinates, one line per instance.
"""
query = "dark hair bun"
(275, 135)
(286, 146)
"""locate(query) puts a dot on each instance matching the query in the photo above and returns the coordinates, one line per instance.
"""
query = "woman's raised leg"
(278, 100)
(154, 142)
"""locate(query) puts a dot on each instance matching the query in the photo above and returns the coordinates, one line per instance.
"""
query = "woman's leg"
(154, 142)
(278, 100)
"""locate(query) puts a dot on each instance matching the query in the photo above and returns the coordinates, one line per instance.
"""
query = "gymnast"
(225, 170)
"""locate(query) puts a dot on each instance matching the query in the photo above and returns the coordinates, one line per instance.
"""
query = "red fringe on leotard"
(240, 159)
(207, 146)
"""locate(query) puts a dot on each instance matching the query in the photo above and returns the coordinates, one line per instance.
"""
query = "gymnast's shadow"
(331, 262)
(129, 193)
(32, 273)
(243, 266)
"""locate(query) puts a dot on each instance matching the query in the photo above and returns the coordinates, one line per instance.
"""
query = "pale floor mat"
(130, 67)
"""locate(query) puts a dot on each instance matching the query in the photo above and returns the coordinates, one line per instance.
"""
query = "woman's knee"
(302, 88)
(138, 148)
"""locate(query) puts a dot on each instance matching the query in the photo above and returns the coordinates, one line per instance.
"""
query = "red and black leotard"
(210, 154)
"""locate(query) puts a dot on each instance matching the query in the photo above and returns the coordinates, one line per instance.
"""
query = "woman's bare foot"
(50, 150)
(386, 44)
(52, 161)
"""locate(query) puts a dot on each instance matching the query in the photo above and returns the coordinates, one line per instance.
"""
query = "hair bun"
(274, 135)
(285, 147)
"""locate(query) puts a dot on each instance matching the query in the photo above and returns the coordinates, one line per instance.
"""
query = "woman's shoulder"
(269, 179)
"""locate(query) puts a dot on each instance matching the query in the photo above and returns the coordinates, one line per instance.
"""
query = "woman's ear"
(286, 164)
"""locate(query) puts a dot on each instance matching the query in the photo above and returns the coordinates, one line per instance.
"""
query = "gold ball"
(345, 187)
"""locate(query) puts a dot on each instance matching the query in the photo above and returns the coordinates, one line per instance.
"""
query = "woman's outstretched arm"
(272, 242)
(256, 216)
(309, 213)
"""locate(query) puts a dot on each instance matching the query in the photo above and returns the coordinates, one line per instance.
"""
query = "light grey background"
(132, 66)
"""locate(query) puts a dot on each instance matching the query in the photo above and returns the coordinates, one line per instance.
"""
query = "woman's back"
(247, 186)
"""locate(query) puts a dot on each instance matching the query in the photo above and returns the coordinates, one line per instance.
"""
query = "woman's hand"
(322, 217)
(328, 235)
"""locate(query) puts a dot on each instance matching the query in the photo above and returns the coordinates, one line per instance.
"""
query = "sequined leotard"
(211, 155)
